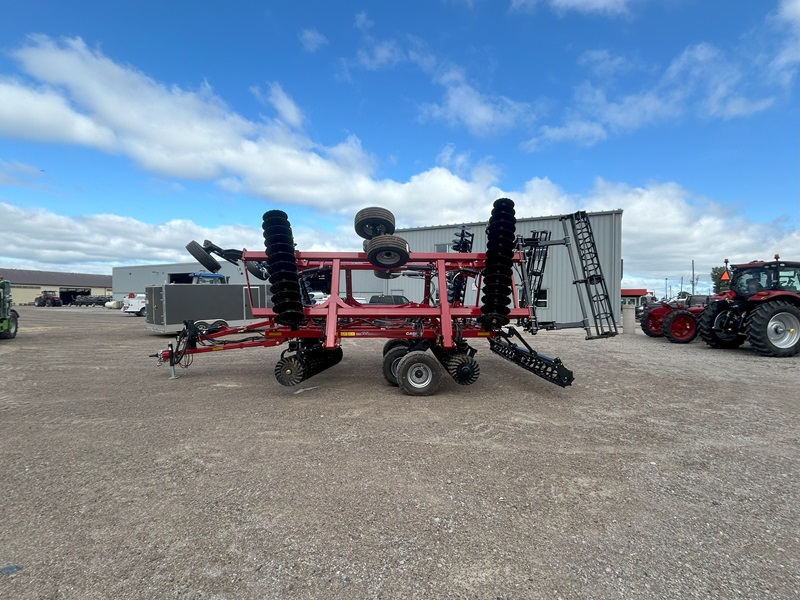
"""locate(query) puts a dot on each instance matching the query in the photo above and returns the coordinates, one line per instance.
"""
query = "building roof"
(55, 278)
(633, 292)
(518, 219)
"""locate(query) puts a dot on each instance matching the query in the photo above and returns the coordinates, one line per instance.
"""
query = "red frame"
(338, 318)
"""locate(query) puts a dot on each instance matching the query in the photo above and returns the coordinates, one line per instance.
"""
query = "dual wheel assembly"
(419, 373)
(384, 249)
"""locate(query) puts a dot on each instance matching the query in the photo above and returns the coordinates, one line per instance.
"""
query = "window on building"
(541, 299)
(441, 247)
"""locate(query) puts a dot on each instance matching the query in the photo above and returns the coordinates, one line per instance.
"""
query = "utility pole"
(665, 288)
(693, 280)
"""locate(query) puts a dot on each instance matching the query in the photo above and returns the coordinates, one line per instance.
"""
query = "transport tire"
(419, 374)
(387, 251)
(373, 221)
(202, 256)
(390, 362)
(394, 344)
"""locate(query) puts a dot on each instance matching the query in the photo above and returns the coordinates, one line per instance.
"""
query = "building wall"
(563, 304)
(133, 280)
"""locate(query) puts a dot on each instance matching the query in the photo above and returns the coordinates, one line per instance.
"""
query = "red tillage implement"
(424, 338)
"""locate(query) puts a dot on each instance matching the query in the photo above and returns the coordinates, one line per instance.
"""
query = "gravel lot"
(664, 471)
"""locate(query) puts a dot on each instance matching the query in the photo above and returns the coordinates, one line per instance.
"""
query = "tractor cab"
(765, 279)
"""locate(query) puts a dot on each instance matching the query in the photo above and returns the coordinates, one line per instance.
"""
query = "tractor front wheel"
(680, 327)
(774, 329)
(10, 331)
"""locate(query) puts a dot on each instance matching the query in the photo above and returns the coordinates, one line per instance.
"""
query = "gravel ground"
(664, 471)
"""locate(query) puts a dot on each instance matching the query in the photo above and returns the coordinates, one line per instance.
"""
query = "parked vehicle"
(389, 299)
(762, 306)
(9, 318)
(676, 320)
(48, 298)
(86, 300)
(135, 304)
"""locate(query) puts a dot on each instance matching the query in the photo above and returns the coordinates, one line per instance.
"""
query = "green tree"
(716, 277)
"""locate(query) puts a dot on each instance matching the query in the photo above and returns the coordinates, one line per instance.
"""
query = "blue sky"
(127, 130)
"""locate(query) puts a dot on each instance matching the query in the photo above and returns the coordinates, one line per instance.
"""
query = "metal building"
(558, 301)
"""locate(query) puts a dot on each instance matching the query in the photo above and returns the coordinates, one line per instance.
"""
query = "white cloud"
(610, 7)
(312, 40)
(287, 110)
(480, 114)
(701, 81)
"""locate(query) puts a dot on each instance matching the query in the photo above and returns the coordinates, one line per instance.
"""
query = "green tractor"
(8, 316)
(762, 306)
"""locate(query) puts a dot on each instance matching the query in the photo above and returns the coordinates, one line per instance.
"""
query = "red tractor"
(762, 306)
(675, 320)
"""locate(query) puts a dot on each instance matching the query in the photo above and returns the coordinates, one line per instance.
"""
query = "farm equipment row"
(762, 306)
(423, 339)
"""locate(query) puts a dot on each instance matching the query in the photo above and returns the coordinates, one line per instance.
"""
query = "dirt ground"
(664, 471)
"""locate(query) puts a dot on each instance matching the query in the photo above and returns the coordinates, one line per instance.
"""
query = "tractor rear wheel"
(709, 326)
(419, 374)
(651, 326)
(680, 327)
(774, 329)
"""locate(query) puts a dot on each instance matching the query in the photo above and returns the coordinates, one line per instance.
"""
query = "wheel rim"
(682, 327)
(420, 376)
(783, 330)
(388, 258)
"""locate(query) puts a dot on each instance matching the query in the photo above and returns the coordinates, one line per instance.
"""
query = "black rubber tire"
(10, 332)
(419, 374)
(390, 362)
(373, 221)
(774, 329)
(650, 327)
(202, 256)
(142, 312)
(202, 326)
(387, 251)
(679, 327)
(256, 270)
(394, 343)
(48, 302)
(710, 316)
